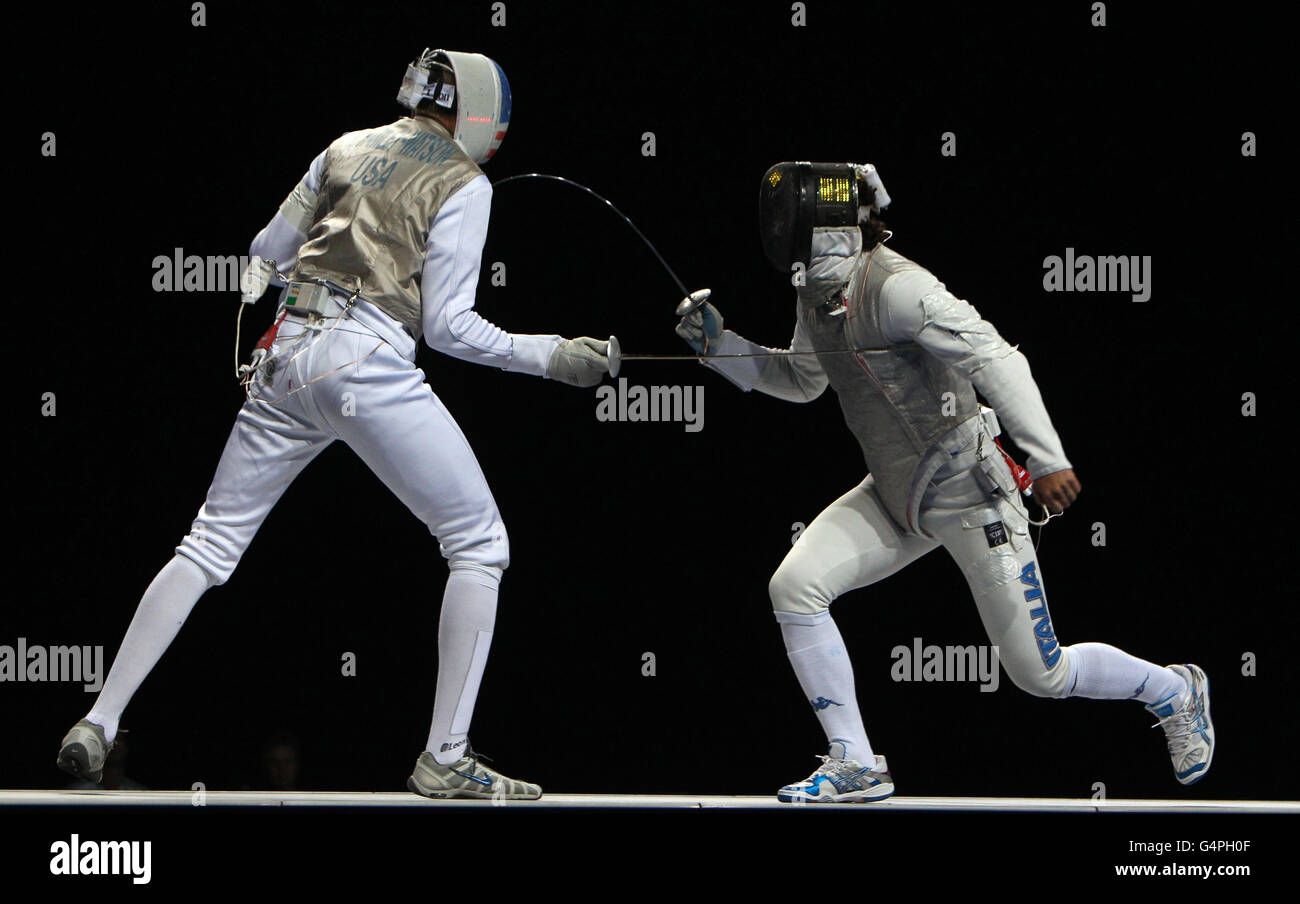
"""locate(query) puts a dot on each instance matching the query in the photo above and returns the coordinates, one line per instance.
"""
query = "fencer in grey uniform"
(906, 359)
(379, 245)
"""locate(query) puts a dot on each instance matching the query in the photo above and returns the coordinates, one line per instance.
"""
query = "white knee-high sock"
(822, 666)
(469, 610)
(162, 610)
(1104, 672)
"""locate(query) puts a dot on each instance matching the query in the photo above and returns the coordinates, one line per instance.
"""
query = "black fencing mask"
(796, 198)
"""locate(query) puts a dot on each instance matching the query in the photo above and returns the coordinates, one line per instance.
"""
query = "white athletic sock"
(1104, 672)
(469, 610)
(162, 610)
(822, 665)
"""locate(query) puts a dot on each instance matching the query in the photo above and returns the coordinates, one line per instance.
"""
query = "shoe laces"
(832, 766)
(1180, 726)
(477, 761)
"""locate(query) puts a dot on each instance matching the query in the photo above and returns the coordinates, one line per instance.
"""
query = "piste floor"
(613, 801)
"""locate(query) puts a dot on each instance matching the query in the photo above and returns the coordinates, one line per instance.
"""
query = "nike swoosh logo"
(472, 778)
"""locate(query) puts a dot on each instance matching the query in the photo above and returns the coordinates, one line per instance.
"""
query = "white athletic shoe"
(466, 778)
(1188, 729)
(841, 781)
(84, 750)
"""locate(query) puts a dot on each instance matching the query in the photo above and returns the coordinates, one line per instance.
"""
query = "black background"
(632, 537)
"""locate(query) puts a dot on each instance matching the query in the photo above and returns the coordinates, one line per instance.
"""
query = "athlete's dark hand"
(1056, 491)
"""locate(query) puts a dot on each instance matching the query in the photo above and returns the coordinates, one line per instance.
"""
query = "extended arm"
(450, 279)
(915, 307)
(795, 378)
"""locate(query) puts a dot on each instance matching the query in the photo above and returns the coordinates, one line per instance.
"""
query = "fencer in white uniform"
(905, 356)
(379, 244)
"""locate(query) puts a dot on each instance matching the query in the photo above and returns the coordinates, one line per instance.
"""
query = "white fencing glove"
(702, 329)
(579, 362)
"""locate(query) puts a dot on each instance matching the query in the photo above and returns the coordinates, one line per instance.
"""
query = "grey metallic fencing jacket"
(907, 390)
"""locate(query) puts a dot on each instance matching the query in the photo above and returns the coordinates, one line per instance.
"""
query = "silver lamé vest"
(381, 189)
(893, 396)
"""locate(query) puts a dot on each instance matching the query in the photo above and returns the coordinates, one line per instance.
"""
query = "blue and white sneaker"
(841, 781)
(1188, 729)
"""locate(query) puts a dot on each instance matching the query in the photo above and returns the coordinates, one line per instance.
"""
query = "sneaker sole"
(852, 797)
(75, 760)
(464, 794)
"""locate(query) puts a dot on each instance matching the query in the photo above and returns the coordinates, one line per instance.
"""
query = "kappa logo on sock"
(823, 702)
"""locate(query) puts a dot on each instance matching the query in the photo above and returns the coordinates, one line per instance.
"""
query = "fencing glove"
(579, 362)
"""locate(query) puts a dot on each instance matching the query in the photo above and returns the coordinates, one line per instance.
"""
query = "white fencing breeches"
(855, 543)
(358, 389)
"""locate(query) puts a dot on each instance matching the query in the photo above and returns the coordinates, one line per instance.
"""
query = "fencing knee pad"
(1035, 679)
(215, 548)
(796, 600)
(487, 547)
